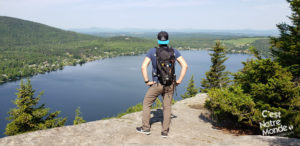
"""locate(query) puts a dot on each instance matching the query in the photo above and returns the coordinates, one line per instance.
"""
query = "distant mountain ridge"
(142, 32)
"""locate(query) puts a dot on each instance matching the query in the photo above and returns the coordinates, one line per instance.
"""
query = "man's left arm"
(184, 68)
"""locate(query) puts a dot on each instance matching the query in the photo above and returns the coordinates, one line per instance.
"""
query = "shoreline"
(95, 58)
(91, 59)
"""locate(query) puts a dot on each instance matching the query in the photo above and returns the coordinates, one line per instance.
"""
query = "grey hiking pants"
(153, 92)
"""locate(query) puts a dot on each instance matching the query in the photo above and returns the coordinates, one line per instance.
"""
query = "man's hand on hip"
(150, 83)
(178, 82)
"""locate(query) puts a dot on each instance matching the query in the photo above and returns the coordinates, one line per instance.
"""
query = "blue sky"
(151, 14)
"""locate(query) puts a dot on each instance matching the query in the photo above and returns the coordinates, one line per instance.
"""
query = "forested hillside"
(17, 32)
(28, 48)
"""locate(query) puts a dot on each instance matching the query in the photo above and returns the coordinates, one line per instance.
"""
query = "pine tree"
(286, 47)
(78, 118)
(27, 116)
(191, 90)
(216, 77)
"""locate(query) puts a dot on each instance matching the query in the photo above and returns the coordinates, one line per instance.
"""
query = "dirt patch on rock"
(196, 106)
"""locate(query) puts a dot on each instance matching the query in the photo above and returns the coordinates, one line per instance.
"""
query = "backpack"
(165, 63)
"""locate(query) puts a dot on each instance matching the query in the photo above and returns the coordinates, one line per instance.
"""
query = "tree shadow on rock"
(229, 126)
(158, 116)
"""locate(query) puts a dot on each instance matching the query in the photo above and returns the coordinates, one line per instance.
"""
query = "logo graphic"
(274, 126)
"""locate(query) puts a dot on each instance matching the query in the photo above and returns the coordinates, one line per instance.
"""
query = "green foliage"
(27, 116)
(157, 104)
(286, 47)
(268, 82)
(191, 90)
(139, 107)
(78, 119)
(297, 125)
(271, 88)
(136, 108)
(232, 103)
(261, 85)
(216, 77)
(173, 101)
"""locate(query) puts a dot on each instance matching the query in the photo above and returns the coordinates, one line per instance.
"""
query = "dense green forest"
(28, 48)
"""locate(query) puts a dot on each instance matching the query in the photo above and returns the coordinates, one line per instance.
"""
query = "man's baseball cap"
(163, 38)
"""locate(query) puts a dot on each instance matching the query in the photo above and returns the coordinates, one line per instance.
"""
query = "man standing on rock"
(163, 60)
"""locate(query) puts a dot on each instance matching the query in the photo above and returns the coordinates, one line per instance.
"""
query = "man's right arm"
(145, 71)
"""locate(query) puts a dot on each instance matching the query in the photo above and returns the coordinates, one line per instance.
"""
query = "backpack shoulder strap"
(173, 50)
(155, 51)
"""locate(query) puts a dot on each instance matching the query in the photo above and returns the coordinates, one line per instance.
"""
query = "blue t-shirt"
(151, 54)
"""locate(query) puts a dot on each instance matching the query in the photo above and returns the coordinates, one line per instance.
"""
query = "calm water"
(103, 88)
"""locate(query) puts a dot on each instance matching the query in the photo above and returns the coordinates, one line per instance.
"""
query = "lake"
(104, 88)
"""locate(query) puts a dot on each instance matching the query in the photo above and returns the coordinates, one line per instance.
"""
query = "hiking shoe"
(164, 134)
(141, 130)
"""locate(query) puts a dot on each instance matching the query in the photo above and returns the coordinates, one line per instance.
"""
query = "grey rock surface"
(187, 128)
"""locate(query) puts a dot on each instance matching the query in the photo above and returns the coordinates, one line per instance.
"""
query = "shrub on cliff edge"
(261, 85)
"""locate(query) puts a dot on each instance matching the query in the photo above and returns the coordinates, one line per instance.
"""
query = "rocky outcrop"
(188, 127)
